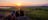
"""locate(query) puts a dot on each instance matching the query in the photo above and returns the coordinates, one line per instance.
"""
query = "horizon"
(23, 2)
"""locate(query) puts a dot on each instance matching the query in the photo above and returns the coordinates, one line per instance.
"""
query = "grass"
(38, 14)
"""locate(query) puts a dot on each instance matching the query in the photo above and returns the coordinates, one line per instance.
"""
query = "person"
(1, 17)
(13, 12)
(9, 17)
(21, 12)
(18, 16)
(21, 15)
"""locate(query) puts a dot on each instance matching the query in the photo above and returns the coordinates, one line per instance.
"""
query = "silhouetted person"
(10, 17)
(1, 16)
(13, 12)
(19, 14)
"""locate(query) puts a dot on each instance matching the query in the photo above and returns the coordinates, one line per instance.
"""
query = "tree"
(40, 9)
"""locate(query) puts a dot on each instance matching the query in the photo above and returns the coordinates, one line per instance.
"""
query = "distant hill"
(45, 5)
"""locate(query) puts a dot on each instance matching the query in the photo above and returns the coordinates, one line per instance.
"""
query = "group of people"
(17, 15)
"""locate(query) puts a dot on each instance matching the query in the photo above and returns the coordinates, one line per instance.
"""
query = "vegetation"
(38, 13)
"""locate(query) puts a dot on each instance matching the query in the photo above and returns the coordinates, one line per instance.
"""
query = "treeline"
(45, 9)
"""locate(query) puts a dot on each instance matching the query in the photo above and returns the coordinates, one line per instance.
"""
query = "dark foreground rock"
(23, 18)
(18, 18)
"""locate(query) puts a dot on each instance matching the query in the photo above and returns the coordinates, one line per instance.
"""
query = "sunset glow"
(18, 4)
(22, 2)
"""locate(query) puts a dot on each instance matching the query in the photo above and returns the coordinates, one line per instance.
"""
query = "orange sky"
(23, 2)
(14, 4)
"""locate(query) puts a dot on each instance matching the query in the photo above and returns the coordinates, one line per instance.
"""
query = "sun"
(18, 4)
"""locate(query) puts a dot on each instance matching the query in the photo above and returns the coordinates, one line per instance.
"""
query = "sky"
(23, 2)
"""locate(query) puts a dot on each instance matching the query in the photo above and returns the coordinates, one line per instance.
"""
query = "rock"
(23, 18)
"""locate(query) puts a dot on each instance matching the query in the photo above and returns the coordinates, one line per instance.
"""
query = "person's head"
(13, 12)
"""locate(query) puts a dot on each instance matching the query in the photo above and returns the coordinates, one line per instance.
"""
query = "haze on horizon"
(23, 2)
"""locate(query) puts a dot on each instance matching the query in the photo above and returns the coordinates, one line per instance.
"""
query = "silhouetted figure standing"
(18, 16)
(10, 17)
(1, 16)
(21, 13)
